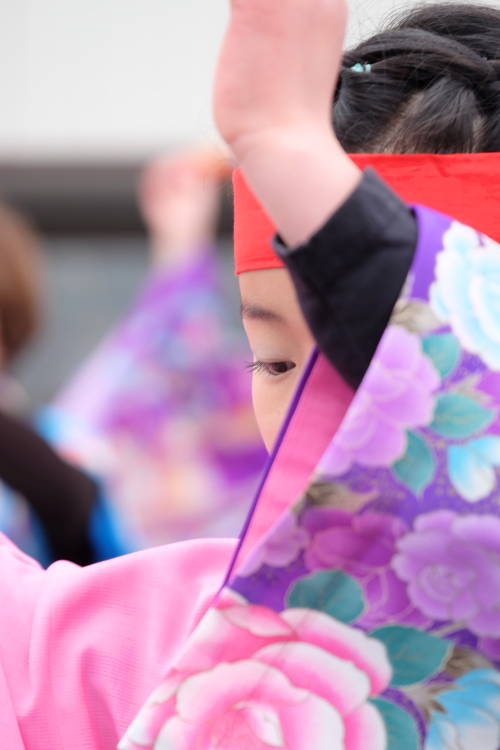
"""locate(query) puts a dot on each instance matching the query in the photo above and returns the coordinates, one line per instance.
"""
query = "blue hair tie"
(362, 68)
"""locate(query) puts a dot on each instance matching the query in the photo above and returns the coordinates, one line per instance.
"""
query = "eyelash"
(265, 367)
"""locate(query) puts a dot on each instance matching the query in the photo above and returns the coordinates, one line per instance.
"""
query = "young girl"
(367, 616)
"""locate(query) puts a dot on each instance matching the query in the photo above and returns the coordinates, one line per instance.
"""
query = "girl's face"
(280, 341)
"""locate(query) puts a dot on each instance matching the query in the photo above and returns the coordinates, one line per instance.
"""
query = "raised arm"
(277, 73)
(352, 239)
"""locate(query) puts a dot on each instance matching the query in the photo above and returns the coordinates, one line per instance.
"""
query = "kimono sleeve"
(82, 648)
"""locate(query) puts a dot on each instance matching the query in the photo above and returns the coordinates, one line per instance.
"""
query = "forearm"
(301, 176)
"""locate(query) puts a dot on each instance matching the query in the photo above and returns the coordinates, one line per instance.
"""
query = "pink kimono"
(82, 648)
(361, 610)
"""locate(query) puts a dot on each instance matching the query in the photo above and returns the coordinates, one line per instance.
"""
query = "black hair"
(427, 83)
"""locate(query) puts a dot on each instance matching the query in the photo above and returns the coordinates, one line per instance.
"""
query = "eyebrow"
(247, 310)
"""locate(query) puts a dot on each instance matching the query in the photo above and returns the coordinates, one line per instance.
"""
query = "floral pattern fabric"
(376, 624)
(162, 415)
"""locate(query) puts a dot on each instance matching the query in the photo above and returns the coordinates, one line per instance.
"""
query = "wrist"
(300, 174)
(169, 255)
(296, 135)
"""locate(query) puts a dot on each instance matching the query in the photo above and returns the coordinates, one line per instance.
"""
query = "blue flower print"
(471, 718)
(471, 467)
(466, 292)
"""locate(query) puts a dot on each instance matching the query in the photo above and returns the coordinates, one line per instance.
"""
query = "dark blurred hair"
(19, 282)
(433, 85)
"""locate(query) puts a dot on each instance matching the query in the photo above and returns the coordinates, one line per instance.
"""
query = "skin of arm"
(274, 85)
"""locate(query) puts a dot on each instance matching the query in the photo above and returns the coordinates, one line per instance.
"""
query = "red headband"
(465, 186)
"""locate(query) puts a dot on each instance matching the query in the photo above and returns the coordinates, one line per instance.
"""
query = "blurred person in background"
(162, 410)
(47, 505)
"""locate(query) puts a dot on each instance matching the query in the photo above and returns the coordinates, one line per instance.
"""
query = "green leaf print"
(458, 416)
(417, 467)
(414, 655)
(444, 350)
(330, 591)
(402, 732)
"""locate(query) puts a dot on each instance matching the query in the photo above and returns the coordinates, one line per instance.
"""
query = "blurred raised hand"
(179, 199)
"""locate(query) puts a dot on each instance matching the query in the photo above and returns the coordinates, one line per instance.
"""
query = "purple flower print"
(280, 547)
(452, 566)
(363, 546)
(490, 385)
(490, 647)
(396, 395)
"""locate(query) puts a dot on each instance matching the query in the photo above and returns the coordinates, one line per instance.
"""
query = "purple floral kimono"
(161, 412)
(362, 610)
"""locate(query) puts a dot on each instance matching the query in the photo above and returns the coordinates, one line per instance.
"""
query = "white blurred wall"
(104, 78)
(94, 79)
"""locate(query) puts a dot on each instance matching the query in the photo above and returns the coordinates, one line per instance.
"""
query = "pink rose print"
(254, 679)
(396, 395)
(452, 566)
(363, 546)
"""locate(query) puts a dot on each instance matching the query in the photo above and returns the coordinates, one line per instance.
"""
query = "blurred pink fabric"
(82, 648)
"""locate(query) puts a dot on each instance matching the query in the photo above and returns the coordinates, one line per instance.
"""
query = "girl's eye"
(271, 369)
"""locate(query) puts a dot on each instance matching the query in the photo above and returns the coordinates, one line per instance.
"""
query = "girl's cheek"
(267, 416)
(271, 398)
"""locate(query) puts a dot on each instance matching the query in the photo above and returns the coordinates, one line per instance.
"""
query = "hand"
(273, 93)
(179, 199)
(278, 68)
